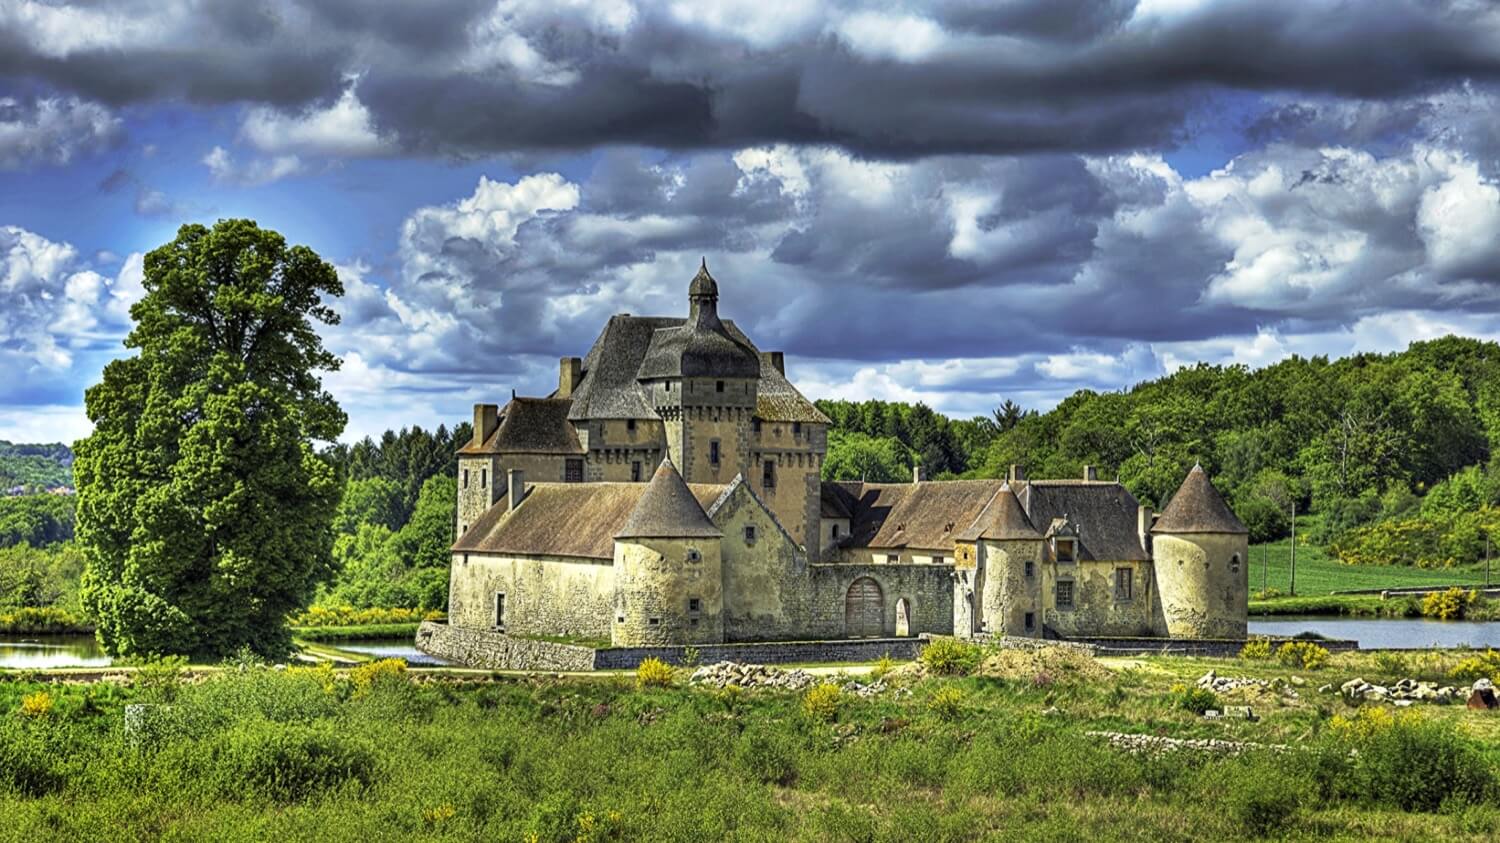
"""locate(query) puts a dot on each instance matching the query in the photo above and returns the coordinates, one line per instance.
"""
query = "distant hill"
(35, 466)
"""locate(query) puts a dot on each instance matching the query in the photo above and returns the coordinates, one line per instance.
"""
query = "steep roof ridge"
(1002, 518)
(1197, 507)
(668, 509)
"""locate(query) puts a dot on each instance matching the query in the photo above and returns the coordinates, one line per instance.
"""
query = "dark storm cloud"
(466, 78)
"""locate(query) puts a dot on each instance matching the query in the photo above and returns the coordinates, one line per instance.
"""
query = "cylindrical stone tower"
(1200, 551)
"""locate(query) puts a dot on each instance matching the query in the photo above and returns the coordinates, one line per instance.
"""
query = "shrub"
(951, 657)
(1267, 594)
(345, 615)
(1408, 762)
(290, 762)
(369, 673)
(158, 679)
(1259, 795)
(822, 702)
(1256, 650)
(1392, 663)
(1194, 699)
(1447, 605)
(1484, 665)
(883, 667)
(768, 756)
(653, 673)
(1302, 654)
(36, 705)
(28, 763)
(947, 703)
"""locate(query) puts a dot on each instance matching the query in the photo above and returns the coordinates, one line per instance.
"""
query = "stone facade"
(1204, 581)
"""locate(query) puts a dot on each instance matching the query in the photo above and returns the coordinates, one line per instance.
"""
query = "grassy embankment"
(369, 754)
(1318, 575)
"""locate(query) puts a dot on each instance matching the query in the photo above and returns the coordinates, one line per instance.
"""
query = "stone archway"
(863, 613)
(903, 618)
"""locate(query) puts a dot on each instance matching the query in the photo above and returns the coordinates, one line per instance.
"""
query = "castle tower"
(1001, 594)
(702, 381)
(1200, 552)
(479, 482)
(669, 578)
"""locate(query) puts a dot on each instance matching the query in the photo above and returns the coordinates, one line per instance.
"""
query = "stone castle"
(668, 493)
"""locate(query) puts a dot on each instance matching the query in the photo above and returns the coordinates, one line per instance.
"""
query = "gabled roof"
(922, 516)
(565, 519)
(836, 502)
(667, 509)
(531, 426)
(1104, 515)
(1002, 519)
(1198, 508)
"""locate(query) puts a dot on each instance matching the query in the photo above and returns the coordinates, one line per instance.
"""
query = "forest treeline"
(1390, 452)
(35, 468)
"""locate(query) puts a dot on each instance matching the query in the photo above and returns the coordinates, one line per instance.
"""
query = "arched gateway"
(863, 617)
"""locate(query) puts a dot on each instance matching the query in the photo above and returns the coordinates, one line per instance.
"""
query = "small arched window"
(1234, 564)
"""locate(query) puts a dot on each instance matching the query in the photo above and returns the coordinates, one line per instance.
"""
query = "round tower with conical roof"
(1200, 552)
(999, 593)
(669, 577)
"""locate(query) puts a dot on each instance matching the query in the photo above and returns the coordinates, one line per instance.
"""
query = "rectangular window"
(938, 560)
(484, 478)
(1030, 569)
(635, 472)
(796, 428)
(713, 451)
(695, 605)
(768, 474)
(718, 386)
(630, 425)
(755, 425)
(834, 531)
(1064, 550)
(653, 621)
(749, 534)
(466, 478)
(573, 471)
(1124, 583)
(1030, 621)
(1064, 594)
(499, 610)
(892, 558)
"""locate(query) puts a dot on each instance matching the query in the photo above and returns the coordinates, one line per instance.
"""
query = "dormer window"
(1064, 550)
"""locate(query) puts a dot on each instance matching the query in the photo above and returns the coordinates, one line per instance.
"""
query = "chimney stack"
(1090, 474)
(515, 486)
(774, 359)
(569, 373)
(916, 473)
(1017, 474)
(1144, 520)
(486, 419)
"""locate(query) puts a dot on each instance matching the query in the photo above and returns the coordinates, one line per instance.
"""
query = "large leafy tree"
(204, 506)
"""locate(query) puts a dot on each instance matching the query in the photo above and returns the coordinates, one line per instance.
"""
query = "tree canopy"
(205, 507)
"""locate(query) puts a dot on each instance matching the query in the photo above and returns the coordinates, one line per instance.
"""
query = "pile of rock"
(1482, 696)
(1226, 684)
(1157, 745)
(724, 674)
(1403, 693)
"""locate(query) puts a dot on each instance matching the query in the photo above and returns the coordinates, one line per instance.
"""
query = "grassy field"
(374, 754)
(355, 632)
(1317, 573)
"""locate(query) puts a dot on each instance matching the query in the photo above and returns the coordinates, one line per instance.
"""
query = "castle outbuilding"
(668, 493)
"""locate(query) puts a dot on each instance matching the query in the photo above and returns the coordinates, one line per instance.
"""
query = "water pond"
(1384, 633)
(39, 652)
(390, 648)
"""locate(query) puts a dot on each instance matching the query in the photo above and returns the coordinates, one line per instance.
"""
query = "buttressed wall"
(656, 584)
(1204, 583)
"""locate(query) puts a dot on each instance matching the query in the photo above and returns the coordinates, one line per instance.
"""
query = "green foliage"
(1257, 650)
(158, 679)
(947, 702)
(1192, 698)
(36, 520)
(35, 468)
(288, 762)
(1259, 795)
(40, 578)
(1412, 763)
(347, 615)
(855, 456)
(370, 500)
(45, 621)
(404, 569)
(1484, 665)
(203, 507)
(408, 458)
(892, 434)
(822, 702)
(1302, 654)
(951, 657)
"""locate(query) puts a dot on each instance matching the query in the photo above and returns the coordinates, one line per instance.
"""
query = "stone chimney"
(1143, 521)
(1090, 474)
(774, 359)
(569, 373)
(486, 419)
(916, 474)
(1016, 474)
(515, 486)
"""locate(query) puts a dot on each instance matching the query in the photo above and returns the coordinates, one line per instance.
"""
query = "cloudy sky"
(955, 202)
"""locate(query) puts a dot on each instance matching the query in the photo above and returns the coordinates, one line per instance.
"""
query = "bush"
(346, 615)
(653, 673)
(1194, 699)
(366, 675)
(883, 667)
(768, 756)
(1484, 665)
(1257, 650)
(1447, 605)
(951, 657)
(36, 705)
(29, 764)
(822, 702)
(1259, 795)
(289, 762)
(1408, 762)
(947, 703)
(157, 680)
(1302, 654)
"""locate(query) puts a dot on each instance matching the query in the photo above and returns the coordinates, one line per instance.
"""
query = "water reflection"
(48, 651)
(391, 648)
(1385, 633)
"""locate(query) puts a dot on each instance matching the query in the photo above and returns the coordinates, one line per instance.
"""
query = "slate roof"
(835, 502)
(1105, 515)
(919, 516)
(565, 519)
(531, 426)
(1197, 507)
(609, 389)
(667, 509)
(1002, 518)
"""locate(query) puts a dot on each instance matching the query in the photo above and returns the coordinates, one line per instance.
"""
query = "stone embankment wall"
(780, 652)
(1214, 647)
(479, 648)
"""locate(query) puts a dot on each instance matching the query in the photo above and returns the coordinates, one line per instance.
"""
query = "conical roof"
(668, 510)
(703, 285)
(1002, 518)
(1198, 508)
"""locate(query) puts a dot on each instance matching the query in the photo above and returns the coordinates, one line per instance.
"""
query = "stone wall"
(1096, 611)
(765, 578)
(928, 590)
(494, 651)
(1202, 594)
(543, 595)
(783, 652)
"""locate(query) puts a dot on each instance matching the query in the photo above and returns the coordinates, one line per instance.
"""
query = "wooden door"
(863, 615)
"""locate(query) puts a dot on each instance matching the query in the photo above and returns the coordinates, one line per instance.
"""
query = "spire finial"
(704, 265)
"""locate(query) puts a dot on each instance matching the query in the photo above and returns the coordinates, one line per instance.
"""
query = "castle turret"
(1200, 552)
(1002, 595)
(669, 579)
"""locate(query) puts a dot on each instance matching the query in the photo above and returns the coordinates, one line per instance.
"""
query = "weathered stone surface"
(1482, 696)
(477, 648)
(1157, 745)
